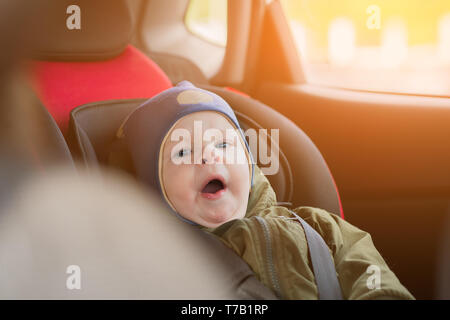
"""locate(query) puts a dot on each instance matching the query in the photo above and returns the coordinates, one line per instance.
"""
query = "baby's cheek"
(181, 187)
(240, 176)
(232, 156)
(242, 157)
(183, 194)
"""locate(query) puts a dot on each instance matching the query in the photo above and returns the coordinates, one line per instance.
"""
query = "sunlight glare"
(444, 39)
(394, 43)
(341, 42)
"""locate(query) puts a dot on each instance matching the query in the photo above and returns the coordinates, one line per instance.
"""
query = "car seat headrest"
(82, 30)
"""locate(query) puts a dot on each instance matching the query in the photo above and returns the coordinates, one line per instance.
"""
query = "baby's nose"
(210, 156)
(211, 160)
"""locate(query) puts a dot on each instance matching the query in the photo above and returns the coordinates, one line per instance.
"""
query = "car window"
(385, 45)
(208, 20)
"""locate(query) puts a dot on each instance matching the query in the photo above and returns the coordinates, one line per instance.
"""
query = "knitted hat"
(145, 129)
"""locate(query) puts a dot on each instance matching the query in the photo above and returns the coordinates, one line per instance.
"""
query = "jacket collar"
(262, 195)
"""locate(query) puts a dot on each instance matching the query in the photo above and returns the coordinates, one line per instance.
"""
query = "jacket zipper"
(269, 256)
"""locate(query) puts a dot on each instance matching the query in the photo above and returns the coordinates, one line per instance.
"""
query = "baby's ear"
(120, 158)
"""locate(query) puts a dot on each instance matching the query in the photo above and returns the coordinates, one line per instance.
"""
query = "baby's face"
(206, 179)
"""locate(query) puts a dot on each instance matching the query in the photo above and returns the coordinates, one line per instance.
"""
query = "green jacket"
(276, 249)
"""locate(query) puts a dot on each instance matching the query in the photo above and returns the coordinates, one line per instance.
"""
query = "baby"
(186, 143)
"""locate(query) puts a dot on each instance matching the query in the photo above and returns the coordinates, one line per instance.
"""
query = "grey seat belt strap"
(322, 263)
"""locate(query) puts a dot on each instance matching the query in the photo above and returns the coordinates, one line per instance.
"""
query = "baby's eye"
(222, 145)
(183, 152)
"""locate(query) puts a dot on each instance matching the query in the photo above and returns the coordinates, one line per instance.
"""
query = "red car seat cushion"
(62, 86)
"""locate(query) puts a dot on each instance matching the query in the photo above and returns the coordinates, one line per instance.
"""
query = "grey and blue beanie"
(146, 128)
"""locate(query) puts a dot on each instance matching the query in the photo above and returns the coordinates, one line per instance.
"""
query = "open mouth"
(213, 186)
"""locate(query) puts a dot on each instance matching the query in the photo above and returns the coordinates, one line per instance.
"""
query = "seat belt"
(322, 263)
